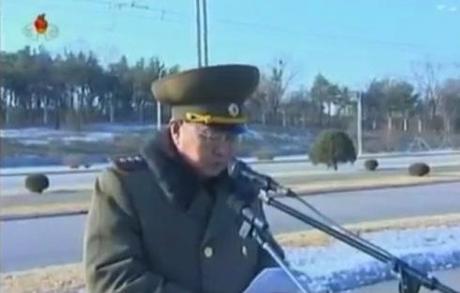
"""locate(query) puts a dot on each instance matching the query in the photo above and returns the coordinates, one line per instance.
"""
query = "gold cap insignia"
(233, 110)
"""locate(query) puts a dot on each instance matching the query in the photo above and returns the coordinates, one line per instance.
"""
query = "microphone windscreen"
(234, 168)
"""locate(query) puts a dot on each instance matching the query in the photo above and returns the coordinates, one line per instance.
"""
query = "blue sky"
(351, 42)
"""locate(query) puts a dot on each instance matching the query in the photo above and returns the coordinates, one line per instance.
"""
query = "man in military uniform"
(160, 221)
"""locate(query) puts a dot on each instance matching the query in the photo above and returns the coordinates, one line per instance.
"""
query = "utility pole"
(201, 43)
(198, 30)
(202, 32)
(1, 26)
(205, 32)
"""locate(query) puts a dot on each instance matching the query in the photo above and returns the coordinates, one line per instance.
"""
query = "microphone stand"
(410, 279)
(257, 228)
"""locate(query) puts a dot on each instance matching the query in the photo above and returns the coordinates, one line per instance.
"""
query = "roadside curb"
(32, 216)
(60, 172)
(363, 188)
(318, 238)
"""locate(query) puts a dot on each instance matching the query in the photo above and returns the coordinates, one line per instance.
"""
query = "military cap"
(209, 95)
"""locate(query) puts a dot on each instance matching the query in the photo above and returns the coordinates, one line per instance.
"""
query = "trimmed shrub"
(419, 169)
(37, 183)
(331, 148)
(371, 165)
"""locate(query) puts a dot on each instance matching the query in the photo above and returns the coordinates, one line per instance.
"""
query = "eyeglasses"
(212, 136)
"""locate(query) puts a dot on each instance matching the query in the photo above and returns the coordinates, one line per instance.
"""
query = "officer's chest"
(204, 236)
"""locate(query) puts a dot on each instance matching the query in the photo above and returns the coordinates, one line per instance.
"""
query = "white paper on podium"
(272, 280)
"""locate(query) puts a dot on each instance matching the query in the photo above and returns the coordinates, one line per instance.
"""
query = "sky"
(350, 42)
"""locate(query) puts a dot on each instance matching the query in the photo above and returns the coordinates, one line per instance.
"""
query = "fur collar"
(176, 178)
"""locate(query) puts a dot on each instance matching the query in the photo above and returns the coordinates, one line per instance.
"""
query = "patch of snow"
(340, 267)
(35, 141)
(252, 134)
(90, 137)
(44, 135)
(103, 131)
(120, 128)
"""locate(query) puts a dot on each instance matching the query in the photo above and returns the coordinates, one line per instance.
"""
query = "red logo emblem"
(40, 28)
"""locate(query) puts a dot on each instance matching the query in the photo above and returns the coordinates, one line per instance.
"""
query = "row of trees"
(68, 90)
(324, 104)
(429, 102)
(37, 88)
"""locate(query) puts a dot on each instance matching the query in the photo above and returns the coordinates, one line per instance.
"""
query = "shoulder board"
(129, 163)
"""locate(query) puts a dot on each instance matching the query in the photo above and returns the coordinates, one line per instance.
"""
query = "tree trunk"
(446, 124)
(334, 164)
(320, 120)
(81, 108)
(141, 112)
(111, 110)
(284, 118)
(433, 109)
(57, 121)
(45, 112)
(390, 123)
(8, 100)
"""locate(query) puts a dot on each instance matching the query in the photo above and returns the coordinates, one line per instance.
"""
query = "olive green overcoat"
(154, 227)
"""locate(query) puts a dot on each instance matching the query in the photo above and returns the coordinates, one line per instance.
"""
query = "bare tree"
(426, 76)
(278, 83)
(450, 102)
(272, 88)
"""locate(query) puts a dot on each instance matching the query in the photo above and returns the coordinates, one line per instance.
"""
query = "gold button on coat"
(208, 252)
(244, 250)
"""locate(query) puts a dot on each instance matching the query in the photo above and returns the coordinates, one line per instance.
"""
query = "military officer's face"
(206, 148)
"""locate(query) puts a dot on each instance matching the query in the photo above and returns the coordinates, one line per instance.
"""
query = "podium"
(274, 280)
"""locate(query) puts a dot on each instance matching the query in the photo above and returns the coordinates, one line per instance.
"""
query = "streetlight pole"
(159, 105)
(3, 91)
(158, 116)
(360, 124)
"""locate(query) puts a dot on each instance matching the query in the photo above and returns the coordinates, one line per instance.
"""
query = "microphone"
(243, 195)
(243, 209)
(254, 222)
(238, 169)
(245, 189)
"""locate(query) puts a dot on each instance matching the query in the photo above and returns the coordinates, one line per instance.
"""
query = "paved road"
(372, 205)
(13, 185)
(31, 243)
